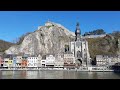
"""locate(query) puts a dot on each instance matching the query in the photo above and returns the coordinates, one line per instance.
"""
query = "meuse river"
(57, 75)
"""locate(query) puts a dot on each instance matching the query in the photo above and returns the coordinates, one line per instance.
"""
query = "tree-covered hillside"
(107, 45)
(4, 45)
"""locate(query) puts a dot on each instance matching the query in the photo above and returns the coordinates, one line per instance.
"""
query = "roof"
(102, 56)
(68, 52)
(8, 56)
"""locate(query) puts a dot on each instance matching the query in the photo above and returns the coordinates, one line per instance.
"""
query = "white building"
(6, 64)
(39, 60)
(59, 62)
(48, 23)
(95, 36)
(32, 61)
(50, 61)
(18, 61)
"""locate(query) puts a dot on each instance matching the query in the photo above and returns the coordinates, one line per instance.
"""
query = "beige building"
(101, 60)
(107, 60)
(69, 60)
(8, 61)
(59, 62)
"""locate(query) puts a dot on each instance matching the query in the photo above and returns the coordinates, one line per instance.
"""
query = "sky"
(13, 24)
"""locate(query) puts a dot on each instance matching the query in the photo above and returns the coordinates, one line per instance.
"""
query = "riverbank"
(54, 69)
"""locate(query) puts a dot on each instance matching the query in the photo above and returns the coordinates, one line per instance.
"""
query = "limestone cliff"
(49, 38)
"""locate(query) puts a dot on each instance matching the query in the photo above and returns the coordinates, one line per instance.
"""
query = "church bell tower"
(77, 32)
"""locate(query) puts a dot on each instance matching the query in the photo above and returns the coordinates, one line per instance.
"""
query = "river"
(57, 75)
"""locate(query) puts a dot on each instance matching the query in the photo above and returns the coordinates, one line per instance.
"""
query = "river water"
(57, 75)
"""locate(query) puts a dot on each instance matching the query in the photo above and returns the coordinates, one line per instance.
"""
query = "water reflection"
(50, 75)
(6, 75)
(57, 75)
(31, 74)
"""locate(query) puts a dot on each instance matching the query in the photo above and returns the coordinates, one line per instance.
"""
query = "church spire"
(77, 32)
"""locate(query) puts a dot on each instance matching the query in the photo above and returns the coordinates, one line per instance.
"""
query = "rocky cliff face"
(50, 38)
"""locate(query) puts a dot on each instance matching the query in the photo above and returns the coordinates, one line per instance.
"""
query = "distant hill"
(4, 45)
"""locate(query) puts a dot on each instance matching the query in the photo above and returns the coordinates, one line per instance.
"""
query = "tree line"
(95, 32)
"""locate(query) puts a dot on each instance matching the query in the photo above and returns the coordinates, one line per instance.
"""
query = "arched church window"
(79, 54)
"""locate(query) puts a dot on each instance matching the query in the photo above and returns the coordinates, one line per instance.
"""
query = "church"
(79, 48)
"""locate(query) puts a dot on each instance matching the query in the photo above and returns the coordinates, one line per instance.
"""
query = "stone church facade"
(79, 48)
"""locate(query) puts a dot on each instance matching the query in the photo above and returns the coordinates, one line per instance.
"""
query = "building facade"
(8, 61)
(50, 61)
(39, 60)
(79, 48)
(59, 61)
(1, 61)
(18, 61)
(69, 60)
(32, 62)
(101, 61)
(107, 60)
(24, 62)
(43, 63)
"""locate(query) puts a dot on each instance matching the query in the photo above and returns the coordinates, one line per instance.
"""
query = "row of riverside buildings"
(28, 61)
(66, 60)
(107, 60)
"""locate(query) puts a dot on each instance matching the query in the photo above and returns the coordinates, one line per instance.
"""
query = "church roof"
(68, 52)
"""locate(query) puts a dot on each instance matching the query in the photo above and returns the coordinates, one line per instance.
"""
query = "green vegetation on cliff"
(4, 45)
(107, 45)
(95, 32)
